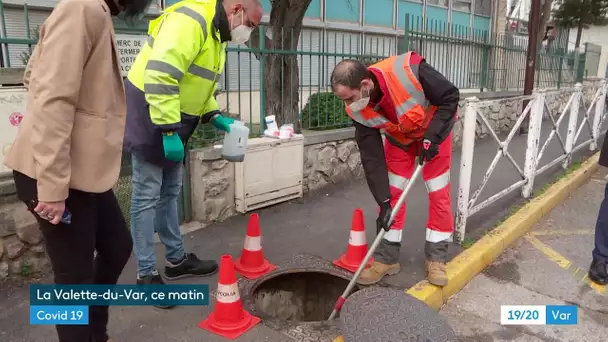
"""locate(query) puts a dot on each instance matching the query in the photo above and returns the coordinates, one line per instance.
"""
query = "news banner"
(538, 314)
(69, 304)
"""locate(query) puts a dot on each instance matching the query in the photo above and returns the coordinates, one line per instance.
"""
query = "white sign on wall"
(12, 109)
(128, 46)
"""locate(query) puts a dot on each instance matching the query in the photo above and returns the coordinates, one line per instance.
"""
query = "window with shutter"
(16, 28)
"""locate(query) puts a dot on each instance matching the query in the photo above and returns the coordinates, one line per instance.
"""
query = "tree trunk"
(577, 55)
(545, 13)
(543, 60)
(579, 34)
(281, 74)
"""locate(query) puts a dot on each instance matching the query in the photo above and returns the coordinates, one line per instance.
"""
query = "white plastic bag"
(271, 133)
(286, 131)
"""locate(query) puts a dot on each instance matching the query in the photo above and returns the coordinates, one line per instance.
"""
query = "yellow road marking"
(563, 233)
(549, 252)
(579, 274)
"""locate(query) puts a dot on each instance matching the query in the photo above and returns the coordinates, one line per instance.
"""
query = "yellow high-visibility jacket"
(180, 64)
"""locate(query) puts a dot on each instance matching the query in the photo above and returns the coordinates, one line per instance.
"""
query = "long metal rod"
(377, 241)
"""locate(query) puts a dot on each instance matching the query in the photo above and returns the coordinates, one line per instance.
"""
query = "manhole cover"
(384, 314)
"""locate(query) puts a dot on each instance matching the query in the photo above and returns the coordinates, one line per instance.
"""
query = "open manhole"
(297, 298)
(301, 296)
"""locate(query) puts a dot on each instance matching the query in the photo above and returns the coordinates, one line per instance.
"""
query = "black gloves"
(384, 217)
(428, 151)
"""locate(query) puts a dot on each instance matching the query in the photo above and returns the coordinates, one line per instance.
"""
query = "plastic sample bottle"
(235, 142)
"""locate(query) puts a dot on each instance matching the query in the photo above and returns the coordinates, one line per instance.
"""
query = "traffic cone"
(357, 245)
(229, 319)
(252, 264)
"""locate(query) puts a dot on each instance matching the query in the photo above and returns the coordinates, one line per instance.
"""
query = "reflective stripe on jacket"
(414, 112)
(179, 66)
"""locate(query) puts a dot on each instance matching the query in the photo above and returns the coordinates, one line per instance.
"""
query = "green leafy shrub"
(369, 61)
(324, 110)
(26, 55)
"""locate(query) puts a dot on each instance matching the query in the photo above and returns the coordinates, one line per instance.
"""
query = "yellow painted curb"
(475, 259)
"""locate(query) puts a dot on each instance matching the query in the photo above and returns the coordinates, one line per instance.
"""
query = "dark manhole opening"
(306, 296)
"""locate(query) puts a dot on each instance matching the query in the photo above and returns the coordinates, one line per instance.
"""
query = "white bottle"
(271, 123)
(235, 142)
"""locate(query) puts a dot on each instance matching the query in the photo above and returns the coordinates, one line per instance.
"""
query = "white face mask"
(361, 103)
(241, 33)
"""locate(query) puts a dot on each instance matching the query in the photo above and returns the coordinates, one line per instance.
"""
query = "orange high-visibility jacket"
(414, 112)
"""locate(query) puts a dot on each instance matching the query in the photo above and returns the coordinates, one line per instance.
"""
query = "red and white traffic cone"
(252, 264)
(229, 319)
(357, 245)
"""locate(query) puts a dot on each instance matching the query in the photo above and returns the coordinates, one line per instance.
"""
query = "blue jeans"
(600, 252)
(154, 207)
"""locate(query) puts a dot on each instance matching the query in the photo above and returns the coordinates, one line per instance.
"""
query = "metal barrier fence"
(579, 119)
(472, 59)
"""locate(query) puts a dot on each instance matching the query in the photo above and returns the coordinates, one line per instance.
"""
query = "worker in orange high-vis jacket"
(403, 112)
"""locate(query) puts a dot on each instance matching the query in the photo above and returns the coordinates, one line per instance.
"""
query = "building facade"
(594, 42)
(346, 27)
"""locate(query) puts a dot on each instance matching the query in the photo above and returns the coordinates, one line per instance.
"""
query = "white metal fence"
(579, 119)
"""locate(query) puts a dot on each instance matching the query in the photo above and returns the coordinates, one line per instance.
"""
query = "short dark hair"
(349, 73)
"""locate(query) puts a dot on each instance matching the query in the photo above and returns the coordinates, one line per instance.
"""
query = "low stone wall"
(212, 184)
(330, 157)
(21, 248)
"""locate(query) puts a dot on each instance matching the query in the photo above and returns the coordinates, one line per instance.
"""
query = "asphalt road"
(547, 267)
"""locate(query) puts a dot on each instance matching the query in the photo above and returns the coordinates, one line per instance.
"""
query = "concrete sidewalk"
(318, 224)
(546, 267)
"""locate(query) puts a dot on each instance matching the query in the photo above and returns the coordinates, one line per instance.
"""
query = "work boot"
(598, 272)
(153, 279)
(190, 266)
(376, 272)
(436, 273)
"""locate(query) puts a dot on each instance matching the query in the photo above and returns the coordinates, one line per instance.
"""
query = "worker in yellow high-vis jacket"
(169, 90)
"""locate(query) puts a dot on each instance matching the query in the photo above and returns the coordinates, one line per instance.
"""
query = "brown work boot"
(436, 273)
(376, 272)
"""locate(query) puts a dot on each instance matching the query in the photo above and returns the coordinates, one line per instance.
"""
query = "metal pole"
(377, 241)
(466, 167)
(533, 27)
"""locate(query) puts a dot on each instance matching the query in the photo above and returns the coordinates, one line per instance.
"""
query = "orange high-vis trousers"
(436, 176)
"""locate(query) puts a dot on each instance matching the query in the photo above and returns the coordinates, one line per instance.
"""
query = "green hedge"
(324, 110)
